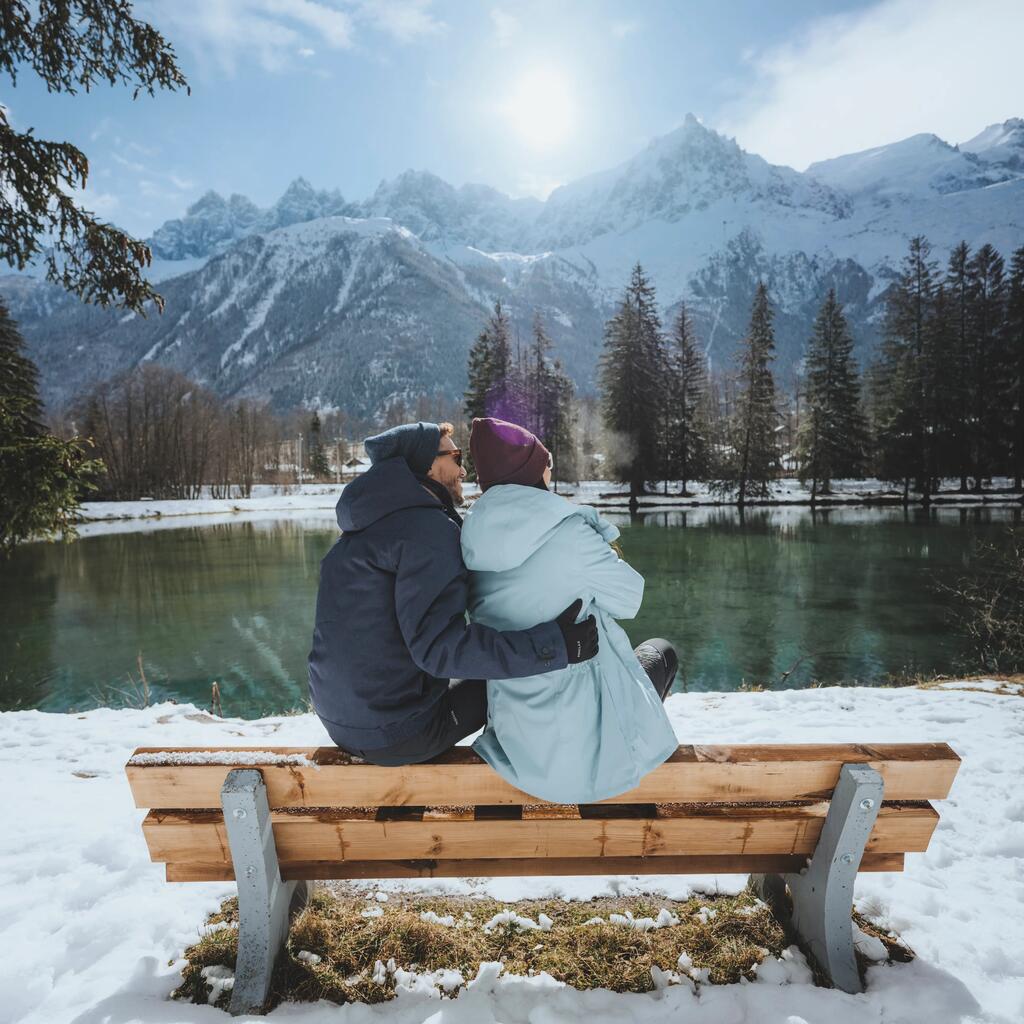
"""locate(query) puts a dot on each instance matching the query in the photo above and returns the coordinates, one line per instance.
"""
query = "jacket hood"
(508, 523)
(387, 486)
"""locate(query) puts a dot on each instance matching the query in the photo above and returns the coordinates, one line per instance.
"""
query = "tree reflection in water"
(777, 597)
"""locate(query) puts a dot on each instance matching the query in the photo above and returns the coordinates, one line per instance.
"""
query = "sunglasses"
(455, 453)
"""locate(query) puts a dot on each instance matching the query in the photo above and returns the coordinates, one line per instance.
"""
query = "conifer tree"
(833, 434)
(540, 383)
(493, 388)
(547, 402)
(72, 45)
(501, 343)
(904, 373)
(944, 387)
(494, 382)
(986, 297)
(632, 379)
(318, 463)
(1014, 346)
(562, 443)
(41, 476)
(752, 455)
(958, 387)
(479, 375)
(688, 441)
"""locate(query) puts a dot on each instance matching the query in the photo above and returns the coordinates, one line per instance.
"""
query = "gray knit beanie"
(417, 443)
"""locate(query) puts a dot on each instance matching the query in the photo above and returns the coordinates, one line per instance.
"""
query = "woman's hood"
(508, 523)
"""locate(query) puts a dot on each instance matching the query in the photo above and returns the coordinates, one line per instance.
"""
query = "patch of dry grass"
(1009, 685)
(740, 934)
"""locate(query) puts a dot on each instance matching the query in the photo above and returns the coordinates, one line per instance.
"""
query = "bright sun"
(540, 108)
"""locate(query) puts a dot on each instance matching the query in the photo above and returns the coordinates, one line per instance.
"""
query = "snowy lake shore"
(94, 935)
(316, 502)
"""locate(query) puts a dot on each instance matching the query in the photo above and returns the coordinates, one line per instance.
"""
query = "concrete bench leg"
(822, 893)
(265, 902)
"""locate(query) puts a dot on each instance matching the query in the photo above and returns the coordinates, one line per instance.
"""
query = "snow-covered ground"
(88, 926)
(279, 501)
(788, 491)
(265, 498)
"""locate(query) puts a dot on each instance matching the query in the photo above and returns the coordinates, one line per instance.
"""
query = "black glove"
(580, 637)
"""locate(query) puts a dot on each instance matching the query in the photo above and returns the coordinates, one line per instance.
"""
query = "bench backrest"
(734, 809)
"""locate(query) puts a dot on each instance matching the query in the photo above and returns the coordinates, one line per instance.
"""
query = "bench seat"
(798, 817)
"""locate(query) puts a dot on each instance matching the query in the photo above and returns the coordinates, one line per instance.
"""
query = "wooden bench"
(803, 817)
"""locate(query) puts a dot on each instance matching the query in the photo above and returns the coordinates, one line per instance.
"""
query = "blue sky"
(519, 95)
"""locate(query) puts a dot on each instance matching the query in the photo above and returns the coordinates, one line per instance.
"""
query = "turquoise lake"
(780, 598)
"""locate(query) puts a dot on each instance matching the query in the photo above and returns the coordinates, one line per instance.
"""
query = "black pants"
(463, 710)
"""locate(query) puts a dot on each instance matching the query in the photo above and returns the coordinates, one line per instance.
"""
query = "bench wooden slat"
(912, 771)
(200, 837)
(528, 867)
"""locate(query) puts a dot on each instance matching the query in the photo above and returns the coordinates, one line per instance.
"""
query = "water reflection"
(232, 603)
(780, 597)
(787, 596)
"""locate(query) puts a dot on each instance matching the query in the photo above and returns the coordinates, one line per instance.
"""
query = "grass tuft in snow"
(348, 956)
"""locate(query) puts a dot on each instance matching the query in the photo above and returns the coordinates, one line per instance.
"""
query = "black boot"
(659, 660)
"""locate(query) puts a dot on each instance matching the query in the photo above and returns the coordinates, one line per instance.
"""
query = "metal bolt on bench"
(265, 902)
(822, 893)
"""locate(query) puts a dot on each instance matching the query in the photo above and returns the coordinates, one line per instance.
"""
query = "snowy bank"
(319, 500)
(89, 924)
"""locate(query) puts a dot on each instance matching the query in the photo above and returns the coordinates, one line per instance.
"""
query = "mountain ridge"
(413, 269)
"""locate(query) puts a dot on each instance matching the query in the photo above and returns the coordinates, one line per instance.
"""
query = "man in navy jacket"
(396, 672)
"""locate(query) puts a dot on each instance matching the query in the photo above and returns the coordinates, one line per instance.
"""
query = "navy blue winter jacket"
(391, 627)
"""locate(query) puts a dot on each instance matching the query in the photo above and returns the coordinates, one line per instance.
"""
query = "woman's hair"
(446, 429)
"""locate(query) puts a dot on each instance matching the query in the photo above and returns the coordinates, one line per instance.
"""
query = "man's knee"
(659, 660)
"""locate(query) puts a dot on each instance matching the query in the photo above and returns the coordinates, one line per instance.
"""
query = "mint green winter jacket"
(588, 731)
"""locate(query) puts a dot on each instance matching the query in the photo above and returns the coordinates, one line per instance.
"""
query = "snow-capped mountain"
(1000, 144)
(918, 167)
(321, 301)
(212, 223)
(687, 171)
(437, 212)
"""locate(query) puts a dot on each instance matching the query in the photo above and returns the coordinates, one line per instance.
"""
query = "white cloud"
(404, 20)
(131, 165)
(855, 81)
(102, 204)
(102, 128)
(621, 29)
(273, 33)
(332, 26)
(270, 32)
(506, 26)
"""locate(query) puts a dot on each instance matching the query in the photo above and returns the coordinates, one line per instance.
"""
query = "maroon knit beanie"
(504, 453)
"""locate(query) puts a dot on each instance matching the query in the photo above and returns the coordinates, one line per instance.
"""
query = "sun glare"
(540, 108)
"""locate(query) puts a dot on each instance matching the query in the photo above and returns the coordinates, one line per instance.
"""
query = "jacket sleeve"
(617, 587)
(431, 596)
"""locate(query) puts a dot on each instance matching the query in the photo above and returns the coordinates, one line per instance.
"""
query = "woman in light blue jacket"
(592, 730)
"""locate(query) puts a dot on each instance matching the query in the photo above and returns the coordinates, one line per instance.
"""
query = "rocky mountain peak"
(243, 209)
(209, 225)
(1000, 144)
(209, 203)
(916, 167)
(301, 202)
(317, 308)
